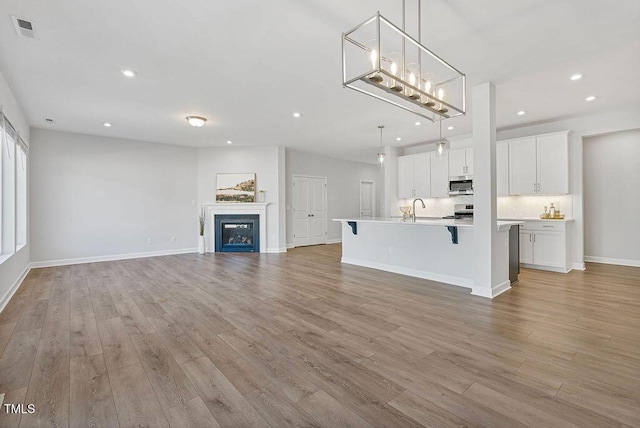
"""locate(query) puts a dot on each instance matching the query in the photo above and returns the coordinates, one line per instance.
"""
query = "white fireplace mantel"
(235, 208)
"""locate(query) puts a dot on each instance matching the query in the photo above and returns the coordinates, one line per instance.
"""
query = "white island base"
(424, 249)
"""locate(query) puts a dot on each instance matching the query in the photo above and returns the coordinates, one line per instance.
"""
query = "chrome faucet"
(414, 207)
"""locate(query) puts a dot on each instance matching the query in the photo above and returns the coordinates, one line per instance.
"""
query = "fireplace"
(237, 233)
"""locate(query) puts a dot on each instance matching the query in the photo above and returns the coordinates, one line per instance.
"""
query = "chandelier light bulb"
(394, 68)
(374, 58)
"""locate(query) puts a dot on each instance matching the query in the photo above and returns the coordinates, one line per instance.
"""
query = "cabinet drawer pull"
(547, 225)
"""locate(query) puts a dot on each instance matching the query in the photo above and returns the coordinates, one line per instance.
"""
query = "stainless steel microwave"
(461, 185)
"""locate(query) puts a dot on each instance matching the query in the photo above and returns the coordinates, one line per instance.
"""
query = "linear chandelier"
(383, 61)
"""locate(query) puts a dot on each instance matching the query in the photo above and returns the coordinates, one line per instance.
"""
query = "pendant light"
(442, 144)
(381, 152)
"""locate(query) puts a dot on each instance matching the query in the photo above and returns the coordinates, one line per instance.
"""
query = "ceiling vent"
(23, 27)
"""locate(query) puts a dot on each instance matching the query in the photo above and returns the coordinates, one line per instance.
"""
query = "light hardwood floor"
(298, 339)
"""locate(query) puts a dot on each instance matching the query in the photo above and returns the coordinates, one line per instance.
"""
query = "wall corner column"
(491, 275)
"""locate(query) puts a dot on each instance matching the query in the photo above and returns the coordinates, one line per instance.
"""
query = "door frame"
(373, 197)
(324, 201)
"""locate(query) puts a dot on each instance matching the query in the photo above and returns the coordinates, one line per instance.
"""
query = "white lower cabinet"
(545, 245)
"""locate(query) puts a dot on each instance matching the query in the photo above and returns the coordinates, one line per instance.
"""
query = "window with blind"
(13, 189)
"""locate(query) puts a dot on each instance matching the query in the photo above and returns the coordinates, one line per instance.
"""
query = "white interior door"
(309, 210)
(367, 198)
(301, 186)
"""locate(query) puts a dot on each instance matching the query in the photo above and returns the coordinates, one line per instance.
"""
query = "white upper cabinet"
(502, 168)
(522, 166)
(553, 164)
(440, 175)
(414, 176)
(539, 165)
(405, 177)
(422, 175)
(460, 162)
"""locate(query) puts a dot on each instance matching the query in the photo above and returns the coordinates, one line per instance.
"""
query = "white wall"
(343, 187)
(265, 162)
(98, 197)
(612, 198)
(12, 269)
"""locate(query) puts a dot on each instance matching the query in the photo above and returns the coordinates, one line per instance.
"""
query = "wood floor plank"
(167, 378)
(330, 413)
(116, 345)
(8, 419)
(17, 360)
(6, 330)
(33, 315)
(278, 410)
(49, 384)
(512, 408)
(84, 337)
(222, 399)
(92, 402)
(135, 401)
(103, 305)
(80, 301)
(193, 413)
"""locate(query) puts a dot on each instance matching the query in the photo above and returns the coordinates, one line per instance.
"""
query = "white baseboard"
(494, 292)
(334, 241)
(65, 262)
(578, 266)
(542, 267)
(447, 279)
(610, 261)
(277, 250)
(14, 287)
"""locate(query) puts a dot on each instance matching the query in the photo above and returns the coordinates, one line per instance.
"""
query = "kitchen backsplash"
(533, 206)
(508, 206)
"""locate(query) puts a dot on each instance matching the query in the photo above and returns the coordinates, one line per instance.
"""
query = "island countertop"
(443, 222)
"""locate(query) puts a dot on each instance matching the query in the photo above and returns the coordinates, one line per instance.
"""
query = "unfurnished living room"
(371, 213)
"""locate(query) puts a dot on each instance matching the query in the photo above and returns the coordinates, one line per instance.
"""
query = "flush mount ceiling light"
(590, 98)
(381, 152)
(521, 112)
(450, 128)
(381, 60)
(129, 73)
(442, 144)
(418, 124)
(399, 139)
(297, 115)
(107, 125)
(229, 142)
(196, 121)
(576, 76)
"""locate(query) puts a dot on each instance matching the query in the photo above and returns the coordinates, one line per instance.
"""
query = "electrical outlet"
(149, 241)
(173, 239)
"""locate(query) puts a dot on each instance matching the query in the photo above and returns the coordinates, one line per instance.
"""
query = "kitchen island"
(437, 249)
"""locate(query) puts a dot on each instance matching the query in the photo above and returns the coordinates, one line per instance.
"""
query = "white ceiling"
(247, 65)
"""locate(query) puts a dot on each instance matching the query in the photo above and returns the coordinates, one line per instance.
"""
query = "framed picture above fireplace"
(236, 188)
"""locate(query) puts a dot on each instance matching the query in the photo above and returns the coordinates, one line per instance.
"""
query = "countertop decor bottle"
(552, 211)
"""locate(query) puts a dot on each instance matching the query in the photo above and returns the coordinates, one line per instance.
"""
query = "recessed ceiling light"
(590, 98)
(418, 123)
(450, 128)
(229, 142)
(129, 73)
(107, 125)
(576, 76)
(297, 115)
(196, 121)
(521, 112)
(399, 139)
